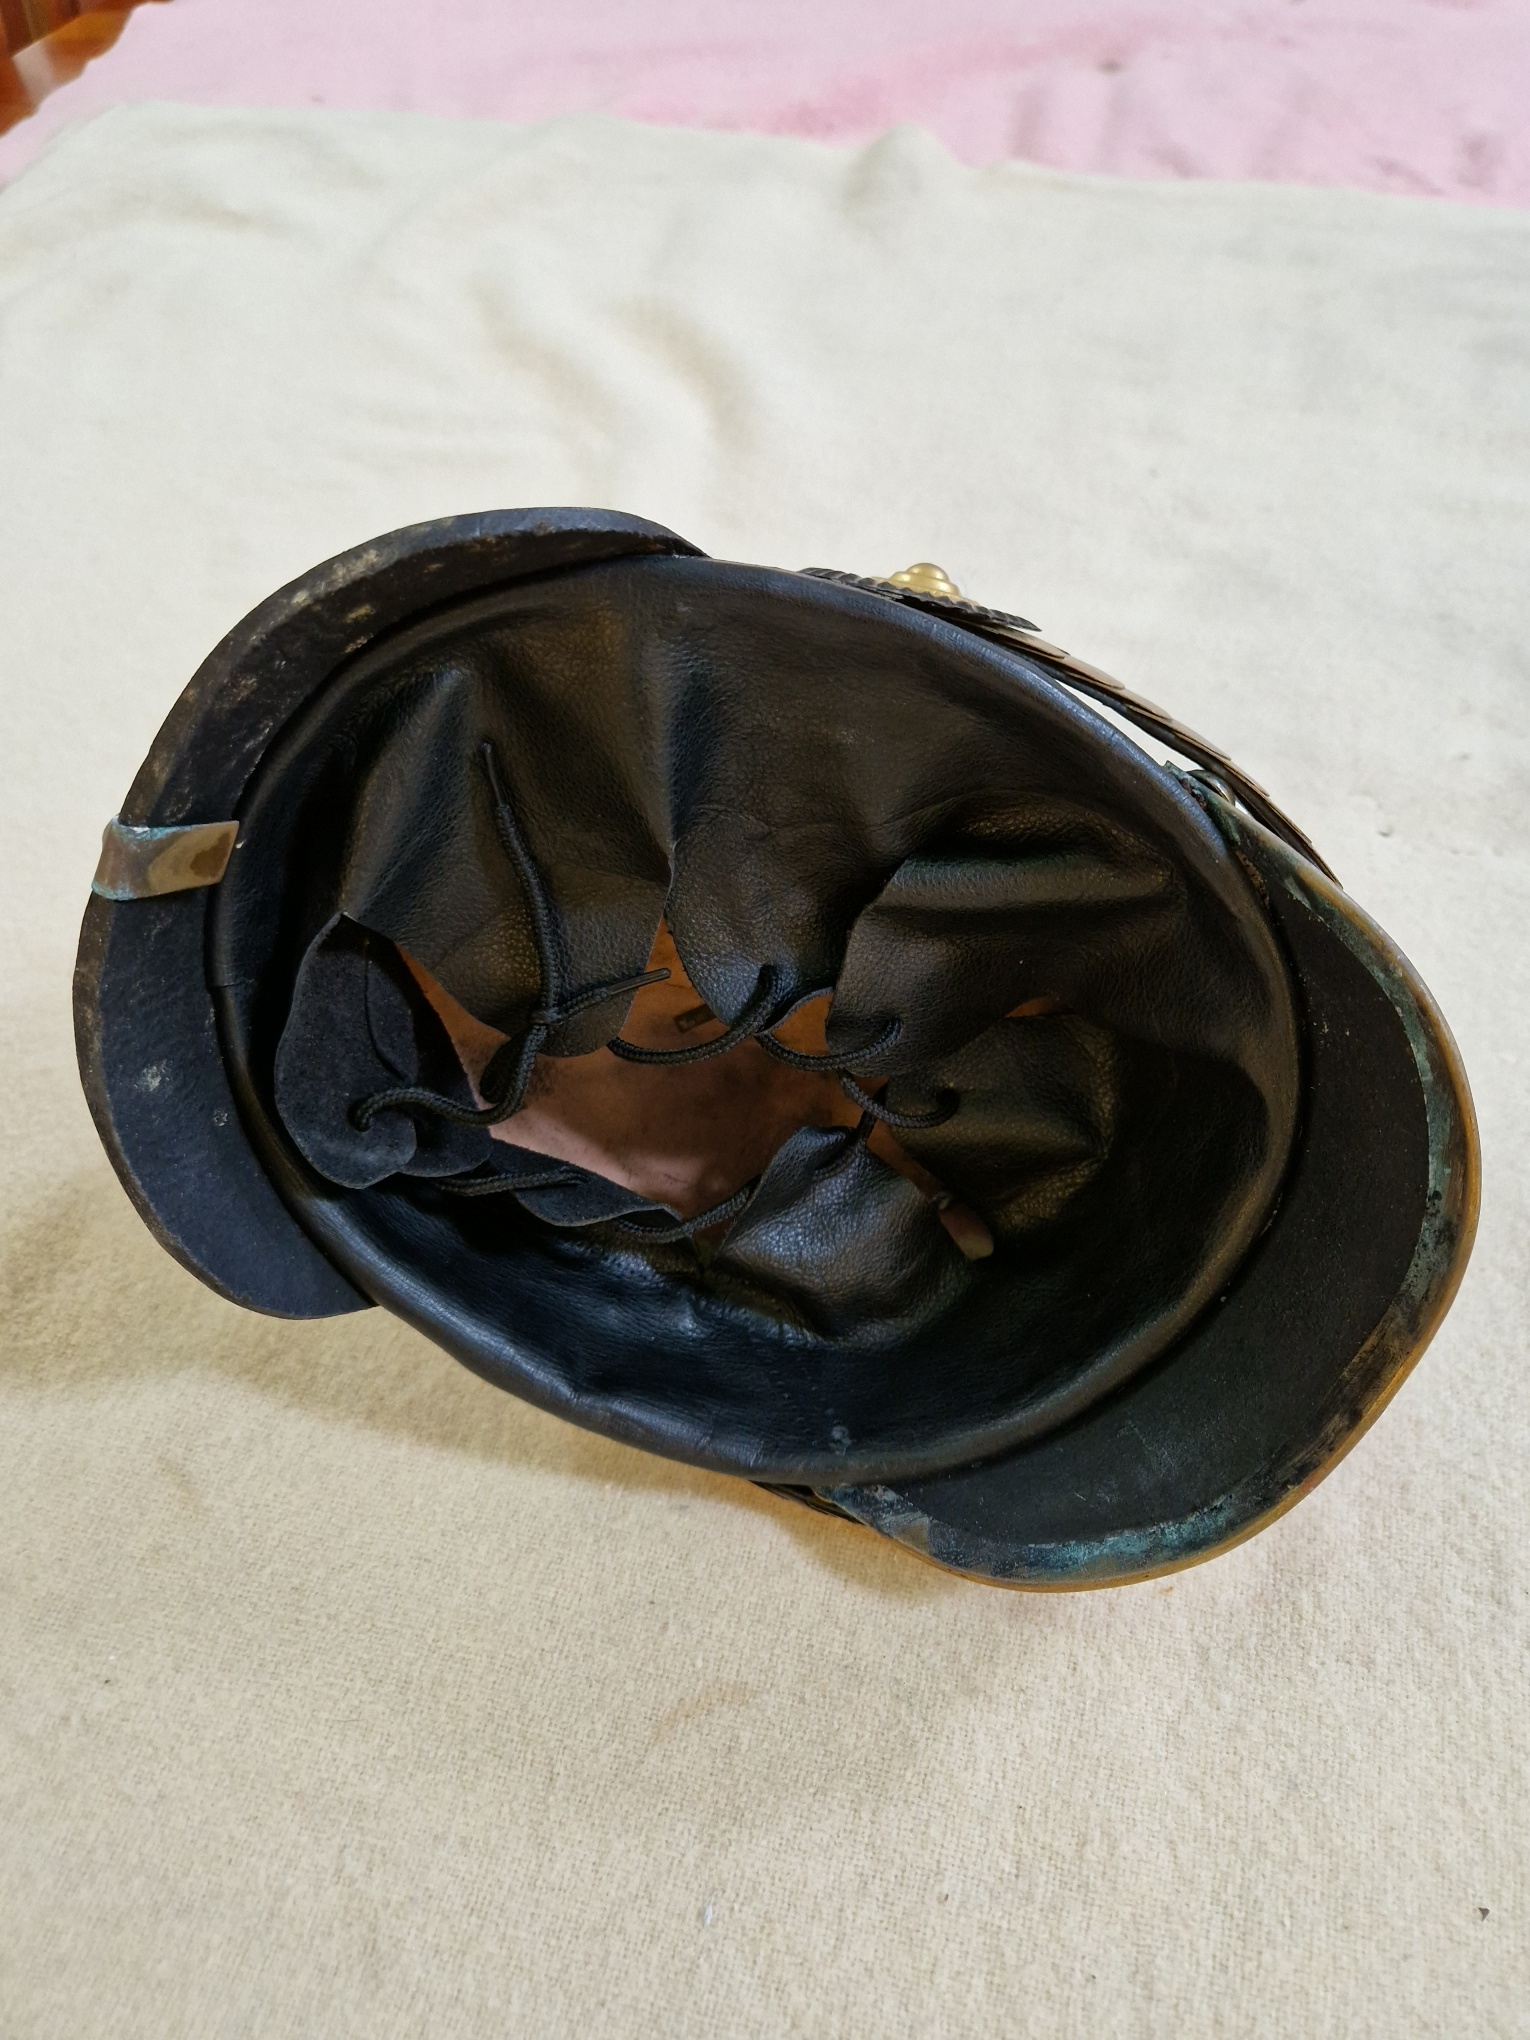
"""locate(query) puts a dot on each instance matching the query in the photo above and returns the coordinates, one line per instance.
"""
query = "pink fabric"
(1422, 96)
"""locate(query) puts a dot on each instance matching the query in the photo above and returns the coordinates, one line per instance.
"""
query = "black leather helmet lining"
(806, 779)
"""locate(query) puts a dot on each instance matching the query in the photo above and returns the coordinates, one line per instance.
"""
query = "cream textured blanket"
(341, 1694)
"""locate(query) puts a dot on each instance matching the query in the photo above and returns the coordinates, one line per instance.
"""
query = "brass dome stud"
(924, 578)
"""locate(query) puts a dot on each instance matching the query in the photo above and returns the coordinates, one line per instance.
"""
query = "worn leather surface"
(1287, 1363)
(842, 1240)
(144, 1003)
(819, 791)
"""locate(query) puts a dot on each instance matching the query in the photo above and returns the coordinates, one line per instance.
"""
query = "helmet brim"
(146, 1033)
(1333, 1307)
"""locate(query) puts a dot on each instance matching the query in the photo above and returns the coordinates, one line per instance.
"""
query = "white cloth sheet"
(341, 1694)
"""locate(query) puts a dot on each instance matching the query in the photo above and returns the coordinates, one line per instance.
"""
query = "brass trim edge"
(143, 864)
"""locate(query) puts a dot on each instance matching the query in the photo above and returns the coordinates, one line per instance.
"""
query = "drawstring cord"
(832, 1065)
(682, 1228)
(509, 1069)
(662, 1233)
(508, 1072)
(497, 1186)
(758, 1022)
(906, 1122)
(749, 1026)
(635, 1228)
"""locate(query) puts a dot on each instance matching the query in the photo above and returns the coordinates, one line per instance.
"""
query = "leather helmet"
(777, 1020)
